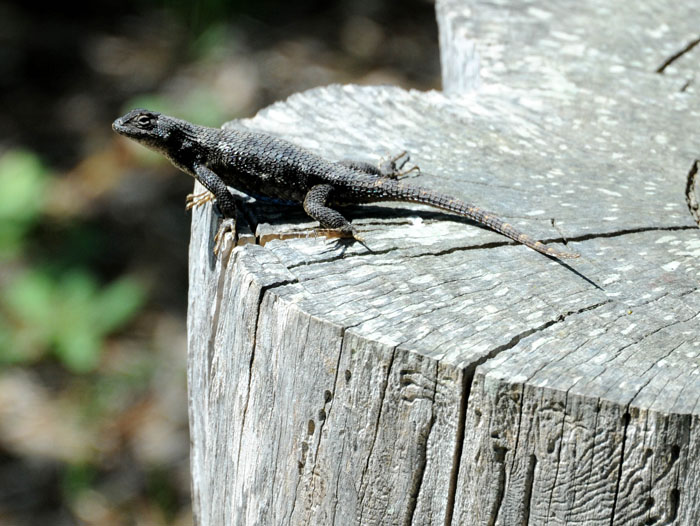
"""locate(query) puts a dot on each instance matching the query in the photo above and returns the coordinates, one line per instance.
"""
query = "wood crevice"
(529, 332)
(626, 422)
(561, 445)
(467, 380)
(691, 197)
(670, 60)
(261, 297)
(622, 232)
(529, 485)
(494, 244)
(327, 406)
(376, 430)
(218, 299)
(422, 447)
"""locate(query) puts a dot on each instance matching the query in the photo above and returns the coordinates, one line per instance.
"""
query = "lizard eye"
(144, 121)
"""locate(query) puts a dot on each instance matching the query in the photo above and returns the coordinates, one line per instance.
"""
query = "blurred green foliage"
(77, 478)
(198, 105)
(199, 16)
(161, 489)
(42, 310)
(68, 314)
(24, 181)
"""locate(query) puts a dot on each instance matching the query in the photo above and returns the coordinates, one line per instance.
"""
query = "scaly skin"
(262, 165)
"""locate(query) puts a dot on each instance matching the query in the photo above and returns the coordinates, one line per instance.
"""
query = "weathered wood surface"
(446, 375)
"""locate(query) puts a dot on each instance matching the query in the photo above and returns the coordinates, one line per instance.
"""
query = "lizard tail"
(451, 204)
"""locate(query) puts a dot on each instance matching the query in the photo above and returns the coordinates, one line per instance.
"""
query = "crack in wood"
(467, 380)
(674, 498)
(482, 246)
(529, 332)
(337, 486)
(529, 485)
(626, 422)
(376, 431)
(689, 291)
(533, 461)
(305, 448)
(594, 435)
(691, 197)
(670, 60)
(637, 341)
(328, 402)
(492, 244)
(561, 445)
(651, 366)
(419, 473)
(500, 454)
(627, 231)
(261, 296)
(211, 343)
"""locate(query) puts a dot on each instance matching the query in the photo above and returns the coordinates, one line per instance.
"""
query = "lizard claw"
(226, 231)
(194, 200)
(404, 155)
(393, 167)
(331, 233)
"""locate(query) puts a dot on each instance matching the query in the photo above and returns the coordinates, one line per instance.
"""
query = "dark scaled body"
(263, 165)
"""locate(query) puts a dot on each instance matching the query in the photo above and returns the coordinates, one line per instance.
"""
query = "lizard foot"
(226, 231)
(393, 167)
(331, 233)
(194, 200)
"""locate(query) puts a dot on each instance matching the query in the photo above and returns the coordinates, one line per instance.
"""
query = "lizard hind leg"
(315, 204)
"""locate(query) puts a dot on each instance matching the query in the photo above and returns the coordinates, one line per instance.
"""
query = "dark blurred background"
(94, 235)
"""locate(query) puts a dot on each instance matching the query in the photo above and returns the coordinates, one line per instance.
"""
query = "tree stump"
(442, 374)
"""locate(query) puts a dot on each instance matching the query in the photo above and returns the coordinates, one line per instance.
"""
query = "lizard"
(263, 165)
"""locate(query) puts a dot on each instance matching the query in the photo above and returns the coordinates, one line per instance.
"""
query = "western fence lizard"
(262, 165)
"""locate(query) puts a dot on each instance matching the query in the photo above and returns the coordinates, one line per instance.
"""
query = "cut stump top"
(578, 125)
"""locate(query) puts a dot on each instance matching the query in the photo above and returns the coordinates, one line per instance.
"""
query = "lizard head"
(143, 126)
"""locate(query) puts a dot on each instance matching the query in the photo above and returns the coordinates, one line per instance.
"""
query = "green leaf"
(117, 304)
(69, 314)
(8, 351)
(30, 299)
(77, 478)
(28, 303)
(79, 348)
(23, 180)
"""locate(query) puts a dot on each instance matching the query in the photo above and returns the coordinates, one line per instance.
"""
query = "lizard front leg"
(224, 201)
(213, 183)
(315, 205)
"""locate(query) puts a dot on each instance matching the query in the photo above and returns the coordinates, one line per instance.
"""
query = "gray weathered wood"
(446, 375)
